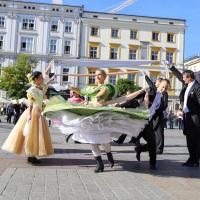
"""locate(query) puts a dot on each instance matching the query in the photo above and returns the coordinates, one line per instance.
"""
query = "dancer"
(158, 122)
(38, 141)
(92, 124)
(154, 102)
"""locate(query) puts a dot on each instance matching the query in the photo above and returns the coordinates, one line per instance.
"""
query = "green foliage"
(14, 77)
(123, 85)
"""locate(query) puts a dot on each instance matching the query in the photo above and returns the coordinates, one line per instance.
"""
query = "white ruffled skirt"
(96, 128)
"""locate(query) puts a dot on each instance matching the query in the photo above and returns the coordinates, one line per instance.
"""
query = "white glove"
(54, 76)
(144, 73)
(167, 63)
(28, 118)
(68, 87)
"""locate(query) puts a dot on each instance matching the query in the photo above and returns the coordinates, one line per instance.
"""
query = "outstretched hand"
(167, 63)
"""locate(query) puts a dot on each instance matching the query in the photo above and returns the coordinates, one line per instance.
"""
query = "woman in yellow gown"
(38, 141)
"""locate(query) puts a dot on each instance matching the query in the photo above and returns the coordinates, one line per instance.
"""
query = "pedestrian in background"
(180, 118)
(165, 114)
(16, 108)
(9, 112)
(171, 119)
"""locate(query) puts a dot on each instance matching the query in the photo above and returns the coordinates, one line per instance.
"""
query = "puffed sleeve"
(30, 95)
(86, 91)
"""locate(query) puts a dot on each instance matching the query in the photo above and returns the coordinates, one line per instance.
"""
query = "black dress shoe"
(77, 142)
(152, 167)
(33, 160)
(193, 164)
(187, 162)
(138, 152)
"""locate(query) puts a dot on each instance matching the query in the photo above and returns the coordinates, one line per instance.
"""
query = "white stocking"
(106, 147)
(96, 150)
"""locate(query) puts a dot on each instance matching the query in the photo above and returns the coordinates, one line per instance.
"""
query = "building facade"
(128, 37)
(193, 63)
(49, 31)
(46, 31)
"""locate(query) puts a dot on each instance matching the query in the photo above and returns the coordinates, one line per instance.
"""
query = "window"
(1, 42)
(68, 27)
(154, 55)
(113, 78)
(93, 50)
(91, 79)
(156, 36)
(67, 47)
(154, 76)
(171, 55)
(132, 76)
(65, 71)
(133, 52)
(133, 34)
(115, 33)
(54, 26)
(2, 21)
(132, 55)
(170, 37)
(28, 24)
(94, 31)
(114, 51)
(53, 46)
(27, 44)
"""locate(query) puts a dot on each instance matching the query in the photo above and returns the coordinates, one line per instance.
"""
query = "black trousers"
(159, 134)
(16, 118)
(192, 131)
(149, 135)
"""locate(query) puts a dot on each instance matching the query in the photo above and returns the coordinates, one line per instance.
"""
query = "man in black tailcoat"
(190, 103)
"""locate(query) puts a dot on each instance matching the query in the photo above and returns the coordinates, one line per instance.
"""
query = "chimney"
(57, 2)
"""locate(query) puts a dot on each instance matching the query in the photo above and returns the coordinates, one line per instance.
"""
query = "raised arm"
(177, 73)
(149, 82)
(49, 67)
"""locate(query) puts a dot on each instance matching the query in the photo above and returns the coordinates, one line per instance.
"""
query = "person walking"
(180, 118)
(190, 102)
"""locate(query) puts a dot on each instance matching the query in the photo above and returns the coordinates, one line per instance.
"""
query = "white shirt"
(185, 108)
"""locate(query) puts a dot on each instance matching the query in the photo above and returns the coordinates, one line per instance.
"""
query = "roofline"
(134, 15)
(42, 3)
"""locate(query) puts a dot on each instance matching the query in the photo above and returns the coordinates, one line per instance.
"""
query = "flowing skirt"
(37, 143)
(94, 125)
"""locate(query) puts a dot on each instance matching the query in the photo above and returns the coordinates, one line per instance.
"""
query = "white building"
(60, 31)
(46, 31)
(193, 63)
(130, 37)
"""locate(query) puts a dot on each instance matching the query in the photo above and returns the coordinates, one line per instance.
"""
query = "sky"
(178, 9)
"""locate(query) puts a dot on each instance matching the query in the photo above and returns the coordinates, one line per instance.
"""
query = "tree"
(14, 77)
(123, 85)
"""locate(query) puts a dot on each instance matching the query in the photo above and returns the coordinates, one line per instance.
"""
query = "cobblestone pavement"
(68, 174)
